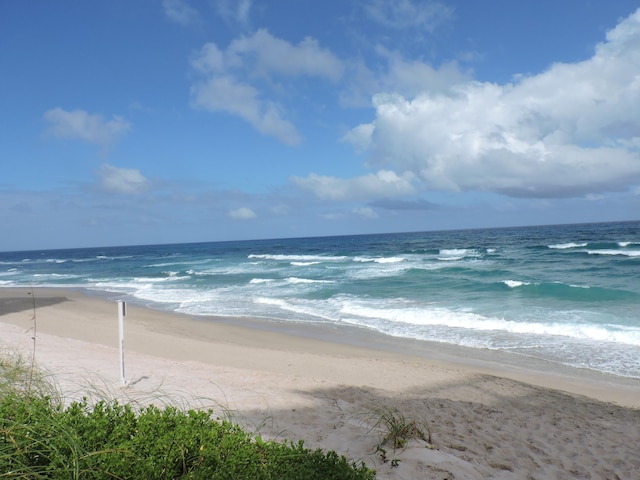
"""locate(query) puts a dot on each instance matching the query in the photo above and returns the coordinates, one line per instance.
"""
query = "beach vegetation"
(19, 376)
(396, 429)
(41, 437)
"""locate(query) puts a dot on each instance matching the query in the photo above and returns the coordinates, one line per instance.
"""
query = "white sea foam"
(564, 246)
(256, 281)
(626, 253)
(572, 285)
(379, 259)
(301, 310)
(152, 280)
(278, 302)
(389, 260)
(517, 283)
(189, 301)
(452, 254)
(296, 280)
(627, 244)
(299, 258)
(166, 264)
(374, 270)
(54, 276)
(239, 269)
(427, 317)
(364, 259)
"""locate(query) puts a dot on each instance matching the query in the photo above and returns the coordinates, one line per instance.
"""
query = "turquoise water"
(569, 294)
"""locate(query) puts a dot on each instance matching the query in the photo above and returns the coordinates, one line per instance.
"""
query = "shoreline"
(344, 340)
(488, 419)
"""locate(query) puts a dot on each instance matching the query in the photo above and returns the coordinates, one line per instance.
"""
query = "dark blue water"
(569, 294)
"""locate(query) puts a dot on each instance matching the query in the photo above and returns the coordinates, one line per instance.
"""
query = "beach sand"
(488, 416)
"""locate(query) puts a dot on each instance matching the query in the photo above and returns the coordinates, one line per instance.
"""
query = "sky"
(129, 122)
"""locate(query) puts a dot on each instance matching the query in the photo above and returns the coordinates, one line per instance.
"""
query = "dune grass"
(41, 437)
(397, 429)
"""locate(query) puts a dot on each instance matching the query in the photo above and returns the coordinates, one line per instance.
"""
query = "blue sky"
(151, 121)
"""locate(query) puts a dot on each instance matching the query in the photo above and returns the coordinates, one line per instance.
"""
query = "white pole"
(121, 313)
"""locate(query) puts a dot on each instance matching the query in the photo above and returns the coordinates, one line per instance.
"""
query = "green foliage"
(41, 439)
(397, 429)
(20, 377)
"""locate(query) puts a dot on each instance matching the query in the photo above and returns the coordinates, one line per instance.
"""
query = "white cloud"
(234, 11)
(571, 130)
(224, 93)
(243, 10)
(402, 14)
(242, 213)
(280, 209)
(401, 76)
(360, 136)
(232, 79)
(180, 12)
(383, 183)
(412, 78)
(122, 180)
(400, 204)
(210, 60)
(333, 215)
(81, 125)
(274, 55)
(366, 212)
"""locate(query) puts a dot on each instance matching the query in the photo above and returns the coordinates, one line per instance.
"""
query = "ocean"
(568, 294)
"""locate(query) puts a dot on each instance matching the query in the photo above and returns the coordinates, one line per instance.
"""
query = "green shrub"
(40, 439)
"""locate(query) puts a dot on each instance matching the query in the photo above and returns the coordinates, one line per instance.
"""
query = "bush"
(40, 439)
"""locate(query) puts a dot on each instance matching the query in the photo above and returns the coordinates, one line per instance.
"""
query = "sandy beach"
(489, 417)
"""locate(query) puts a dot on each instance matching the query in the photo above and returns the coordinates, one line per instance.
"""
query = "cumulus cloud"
(180, 12)
(274, 55)
(569, 131)
(409, 78)
(360, 137)
(366, 212)
(231, 78)
(122, 180)
(383, 183)
(224, 93)
(401, 14)
(363, 212)
(234, 11)
(242, 213)
(79, 124)
(399, 204)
